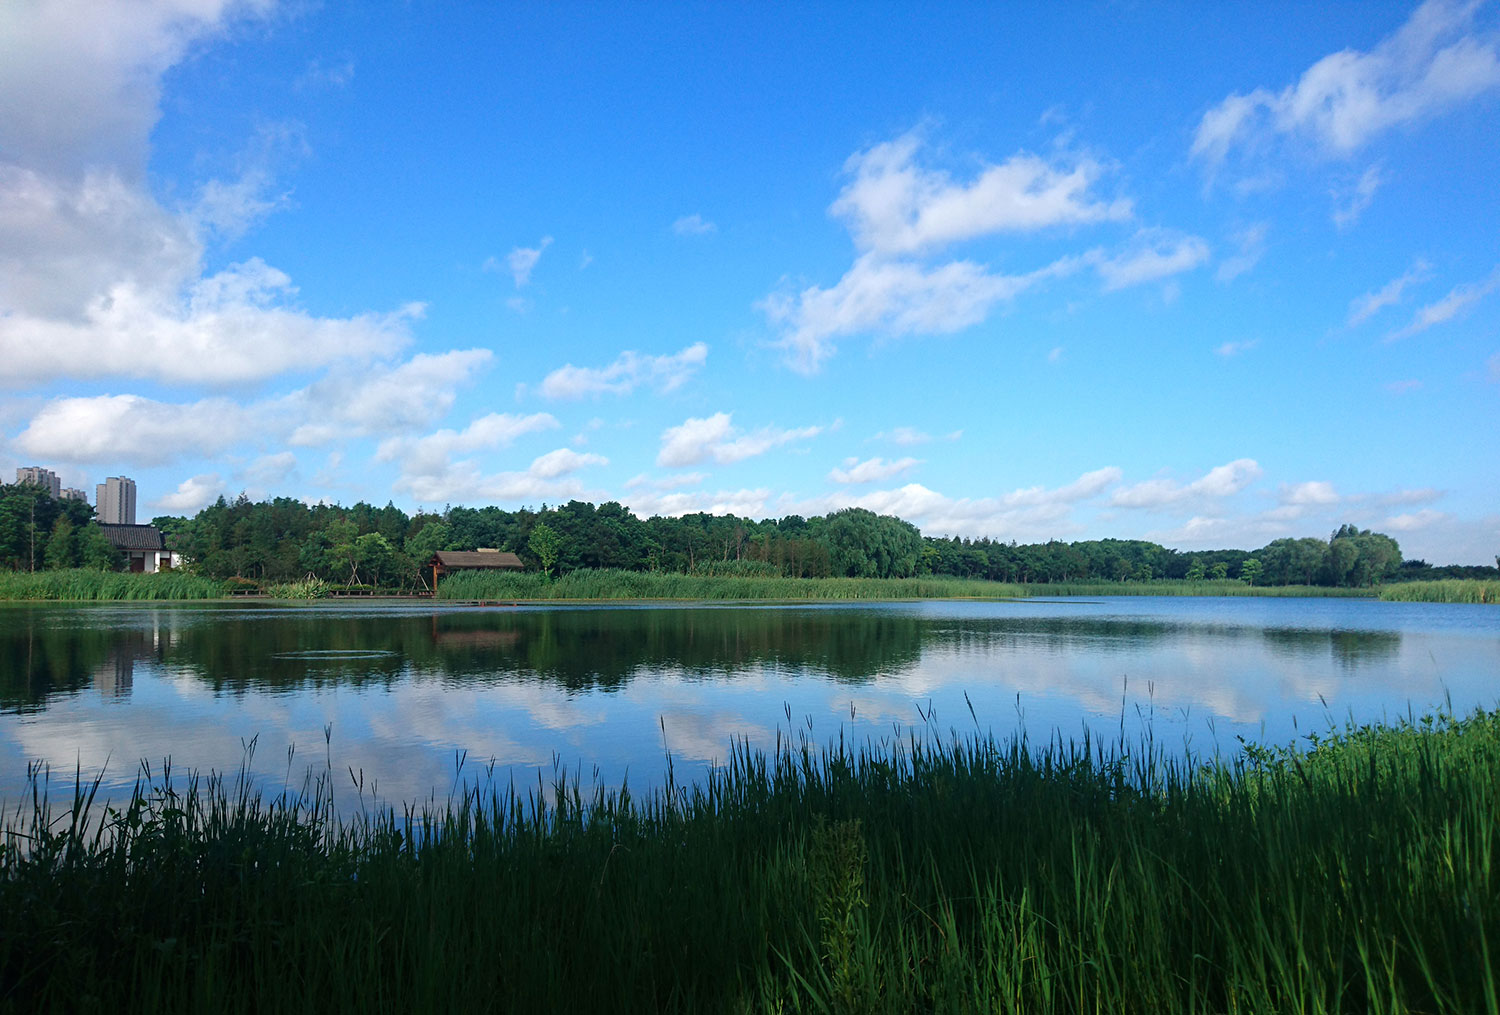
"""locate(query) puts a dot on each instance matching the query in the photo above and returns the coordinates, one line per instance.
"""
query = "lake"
(412, 698)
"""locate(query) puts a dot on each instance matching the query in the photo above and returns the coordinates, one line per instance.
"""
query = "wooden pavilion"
(472, 560)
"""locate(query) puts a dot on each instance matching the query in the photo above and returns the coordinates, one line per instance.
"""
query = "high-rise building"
(114, 501)
(44, 478)
(69, 493)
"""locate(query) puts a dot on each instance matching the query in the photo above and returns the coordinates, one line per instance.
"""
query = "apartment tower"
(114, 501)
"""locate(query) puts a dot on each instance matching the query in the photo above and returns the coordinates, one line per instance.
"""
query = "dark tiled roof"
(454, 560)
(133, 537)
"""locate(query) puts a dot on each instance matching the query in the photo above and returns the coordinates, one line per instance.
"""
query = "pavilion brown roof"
(464, 560)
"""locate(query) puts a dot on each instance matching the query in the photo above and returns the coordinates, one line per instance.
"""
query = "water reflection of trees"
(1351, 648)
(45, 652)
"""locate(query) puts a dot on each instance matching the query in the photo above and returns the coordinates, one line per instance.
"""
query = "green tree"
(1250, 571)
(545, 544)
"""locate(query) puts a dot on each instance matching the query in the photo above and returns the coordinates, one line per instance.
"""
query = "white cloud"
(1458, 300)
(192, 495)
(1229, 349)
(1220, 481)
(270, 471)
(521, 262)
(1030, 513)
(129, 428)
(96, 278)
(895, 206)
(562, 462)
(715, 437)
(380, 400)
(908, 437)
(1432, 63)
(894, 298)
(1153, 254)
(645, 482)
(81, 80)
(1362, 308)
(693, 225)
(1252, 247)
(1350, 205)
(225, 329)
(1414, 520)
(872, 470)
(745, 503)
(464, 483)
(431, 454)
(1319, 492)
(625, 374)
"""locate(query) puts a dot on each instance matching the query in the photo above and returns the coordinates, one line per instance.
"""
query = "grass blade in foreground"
(1357, 875)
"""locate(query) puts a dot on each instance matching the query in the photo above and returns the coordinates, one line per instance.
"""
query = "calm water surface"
(399, 693)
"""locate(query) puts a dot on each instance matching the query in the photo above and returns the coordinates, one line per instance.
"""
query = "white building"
(114, 501)
(44, 478)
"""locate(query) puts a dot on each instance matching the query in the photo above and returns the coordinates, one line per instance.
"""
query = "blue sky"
(1209, 276)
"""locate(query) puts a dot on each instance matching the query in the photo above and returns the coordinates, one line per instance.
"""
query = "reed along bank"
(1354, 872)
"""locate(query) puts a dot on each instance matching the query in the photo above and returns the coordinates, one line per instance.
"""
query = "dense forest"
(286, 539)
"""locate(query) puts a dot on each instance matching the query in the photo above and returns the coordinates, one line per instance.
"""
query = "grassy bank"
(77, 584)
(1447, 591)
(1358, 875)
(609, 584)
(498, 585)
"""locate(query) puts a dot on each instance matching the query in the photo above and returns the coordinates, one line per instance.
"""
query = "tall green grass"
(1452, 590)
(78, 584)
(1354, 874)
(615, 584)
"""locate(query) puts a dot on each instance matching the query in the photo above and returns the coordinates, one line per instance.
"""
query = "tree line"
(285, 539)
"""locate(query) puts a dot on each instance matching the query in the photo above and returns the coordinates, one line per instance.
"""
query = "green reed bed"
(78, 584)
(1356, 873)
(1453, 590)
(1181, 587)
(616, 584)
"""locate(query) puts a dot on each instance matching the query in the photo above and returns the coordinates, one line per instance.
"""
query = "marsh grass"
(614, 584)
(79, 584)
(1355, 872)
(1452, 590)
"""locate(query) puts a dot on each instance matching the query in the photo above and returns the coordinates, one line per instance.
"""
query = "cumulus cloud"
(1154, 254)
(893, 298)
(223, 329)
(1318, 492)
(745, 503)
(1362, 308)
(384, 399)
(432, 454)
(549, 477)
(97, 279)
(693, 225)
(380, 400)
(872, 470)
(716, 438)
(130, 428)
(1220, 481)
(894, 205)
(900, 213)
(629, 371)
(192, 495)
(1030, 513)
(1459, 299)
(1432, 63)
